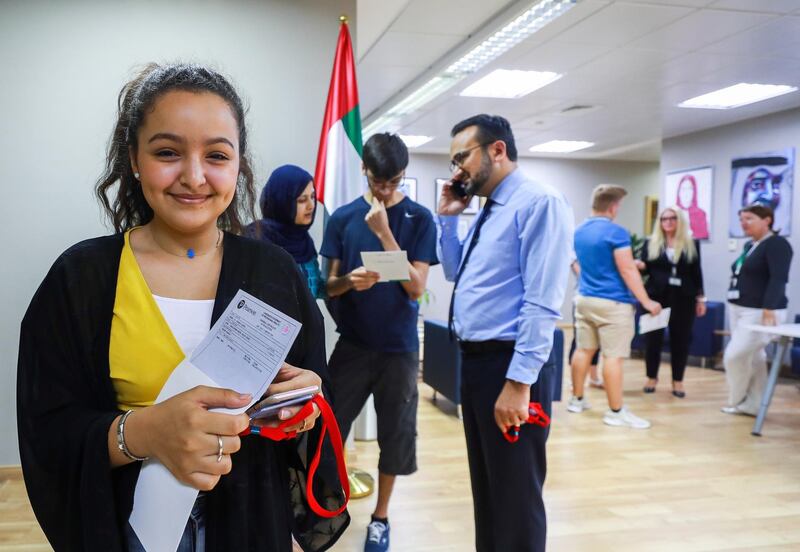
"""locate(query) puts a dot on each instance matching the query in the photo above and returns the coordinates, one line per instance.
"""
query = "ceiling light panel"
(414, 141)
(737, 96)
(561, 146)
(507, 83)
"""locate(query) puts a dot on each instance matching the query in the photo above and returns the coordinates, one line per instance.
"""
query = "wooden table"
(784, 333)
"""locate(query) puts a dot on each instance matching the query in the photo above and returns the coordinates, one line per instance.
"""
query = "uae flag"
(338, 173)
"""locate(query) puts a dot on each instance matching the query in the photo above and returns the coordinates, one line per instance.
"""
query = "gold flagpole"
(361, 483)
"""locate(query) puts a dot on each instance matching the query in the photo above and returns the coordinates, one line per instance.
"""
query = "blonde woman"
(671, 259)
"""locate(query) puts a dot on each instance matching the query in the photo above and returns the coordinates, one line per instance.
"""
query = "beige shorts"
(605, 324)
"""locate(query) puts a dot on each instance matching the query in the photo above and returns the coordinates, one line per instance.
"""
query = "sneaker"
(577, 405)
(625, 418)
(377, 537)
(737, 410)
(596, 383)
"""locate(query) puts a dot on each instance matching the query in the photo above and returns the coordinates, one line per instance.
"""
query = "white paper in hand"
(650, 323)
(243, 351)
(391, 265)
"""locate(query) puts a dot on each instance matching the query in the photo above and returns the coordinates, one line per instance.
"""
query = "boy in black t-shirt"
(378, 349)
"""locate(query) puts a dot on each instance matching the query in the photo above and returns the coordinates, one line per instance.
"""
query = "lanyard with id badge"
(673, 278)
(733, 290)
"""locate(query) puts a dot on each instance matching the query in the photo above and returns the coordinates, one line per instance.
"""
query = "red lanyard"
(328, 425)
(537, 417)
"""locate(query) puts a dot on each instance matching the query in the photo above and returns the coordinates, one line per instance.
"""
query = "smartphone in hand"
(270, 406)
(458, 188)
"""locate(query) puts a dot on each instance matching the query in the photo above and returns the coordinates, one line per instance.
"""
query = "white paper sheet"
(243, 351)
(649, 323)
(391, 265)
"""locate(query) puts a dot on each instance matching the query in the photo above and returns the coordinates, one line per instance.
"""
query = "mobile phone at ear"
(271, 405)
(458, 188)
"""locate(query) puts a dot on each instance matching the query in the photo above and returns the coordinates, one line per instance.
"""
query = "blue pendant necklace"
(191, 253)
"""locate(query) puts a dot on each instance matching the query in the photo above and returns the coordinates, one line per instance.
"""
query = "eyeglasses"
(669, 219)
(459, 158)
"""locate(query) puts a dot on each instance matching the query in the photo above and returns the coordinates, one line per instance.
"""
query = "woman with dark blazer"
(671, 260)
(757, 295)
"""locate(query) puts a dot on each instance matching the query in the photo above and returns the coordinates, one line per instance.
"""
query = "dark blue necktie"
(472, 243)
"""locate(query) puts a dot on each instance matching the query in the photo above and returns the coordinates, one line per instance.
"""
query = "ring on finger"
(219, 452)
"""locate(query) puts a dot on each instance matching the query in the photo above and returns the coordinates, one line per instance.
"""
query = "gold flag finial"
(343, 19)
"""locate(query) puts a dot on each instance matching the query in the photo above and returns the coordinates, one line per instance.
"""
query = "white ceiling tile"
(621, 23)
(373, 20)
(410, 49)
(376, 84)
(779, 36)
(695, 67)
(763, 6)
(759, 70)
(628, 62)
(557, 56)
(445, 16)
(684, 3)
(699, 29)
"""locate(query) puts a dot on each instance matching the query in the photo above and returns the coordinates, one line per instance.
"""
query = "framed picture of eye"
(471, 209)
(409, 188)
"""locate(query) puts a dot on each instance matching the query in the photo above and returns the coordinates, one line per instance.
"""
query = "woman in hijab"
(288, 205)
(686, 199)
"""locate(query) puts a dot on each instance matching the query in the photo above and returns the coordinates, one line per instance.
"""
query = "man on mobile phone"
(378, 349)
(510, 276)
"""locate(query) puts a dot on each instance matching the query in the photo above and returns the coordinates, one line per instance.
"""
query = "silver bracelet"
(123, 448)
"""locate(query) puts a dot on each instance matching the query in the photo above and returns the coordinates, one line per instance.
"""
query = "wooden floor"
(696, 481)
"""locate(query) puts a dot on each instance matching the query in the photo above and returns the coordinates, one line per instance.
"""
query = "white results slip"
(650, 323)
(391, 265)
(243, 351)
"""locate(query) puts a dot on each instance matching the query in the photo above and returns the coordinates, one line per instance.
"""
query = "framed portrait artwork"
(691, 191)
(763, 179)
(474, 204)
(409, 188)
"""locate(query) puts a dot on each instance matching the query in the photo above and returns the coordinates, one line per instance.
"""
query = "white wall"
(717, 147)
(576, 178)
(63, 66)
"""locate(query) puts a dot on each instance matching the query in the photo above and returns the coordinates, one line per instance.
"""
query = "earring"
(136, 176)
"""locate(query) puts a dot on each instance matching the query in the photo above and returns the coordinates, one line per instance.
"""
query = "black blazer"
(659, 271)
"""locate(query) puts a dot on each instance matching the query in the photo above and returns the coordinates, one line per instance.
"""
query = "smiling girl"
(116, 314)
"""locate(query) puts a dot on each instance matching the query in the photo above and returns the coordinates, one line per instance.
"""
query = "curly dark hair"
(126, 206)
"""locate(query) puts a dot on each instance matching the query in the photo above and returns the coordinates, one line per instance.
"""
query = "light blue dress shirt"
(513, 286)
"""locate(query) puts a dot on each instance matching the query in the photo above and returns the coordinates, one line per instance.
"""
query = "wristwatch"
(702, 299)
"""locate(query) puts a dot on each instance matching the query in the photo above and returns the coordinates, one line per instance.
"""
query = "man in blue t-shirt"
(608, 289)
(378, 349)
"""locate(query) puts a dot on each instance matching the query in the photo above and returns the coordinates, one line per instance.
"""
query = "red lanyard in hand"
(537, 416)
(328, 425)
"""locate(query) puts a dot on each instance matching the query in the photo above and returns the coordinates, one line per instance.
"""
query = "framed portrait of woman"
(691, 191)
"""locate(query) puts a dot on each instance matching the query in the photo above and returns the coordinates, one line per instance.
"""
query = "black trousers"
(507, 478)
(681, 321)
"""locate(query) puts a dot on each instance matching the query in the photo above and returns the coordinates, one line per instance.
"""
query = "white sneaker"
(738, 410)
(578, 405)
(624, 418)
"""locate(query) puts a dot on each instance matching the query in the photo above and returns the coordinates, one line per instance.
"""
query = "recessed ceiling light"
(507, 83)
(561, 146)
(413, 141)
(737, 96)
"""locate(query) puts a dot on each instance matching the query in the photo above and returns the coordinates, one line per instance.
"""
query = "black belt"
(490, 346)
